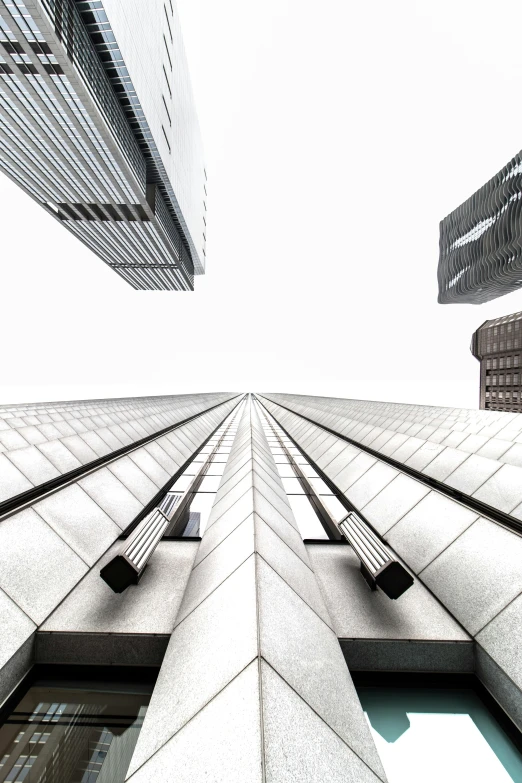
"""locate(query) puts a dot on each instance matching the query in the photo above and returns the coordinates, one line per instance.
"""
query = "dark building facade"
(480, 242)
(497, 344)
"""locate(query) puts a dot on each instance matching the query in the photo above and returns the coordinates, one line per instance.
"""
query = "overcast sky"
(337, 135)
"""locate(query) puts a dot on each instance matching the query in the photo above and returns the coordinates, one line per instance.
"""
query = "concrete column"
(470, 563)
(47, 549)
(254, 686)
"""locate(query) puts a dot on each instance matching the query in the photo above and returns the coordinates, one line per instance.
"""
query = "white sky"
(337, 135)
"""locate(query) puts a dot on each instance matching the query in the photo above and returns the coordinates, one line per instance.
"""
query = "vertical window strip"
(167, 80)
(168, 24)
(166, 109)
(166, 139)
(167, 50)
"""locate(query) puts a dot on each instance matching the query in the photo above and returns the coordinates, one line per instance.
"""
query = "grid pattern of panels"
(46, 549)
(290, 461)
(247, 656)
(98, 25)
(201, 480)
(152, 69)
(471, 564)
(481, 241)
(478, 453)
(497, 344)
(39, 442)
(70, 31)
(64, 146)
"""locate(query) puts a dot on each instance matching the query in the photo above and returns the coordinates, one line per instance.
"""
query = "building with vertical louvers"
(481, 242)
(497, 344)
(259, 589)
(98, 125)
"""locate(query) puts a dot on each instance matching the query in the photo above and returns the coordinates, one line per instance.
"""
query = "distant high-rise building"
(497, 344)
(481, 242)
(98, 125)
(264, 537)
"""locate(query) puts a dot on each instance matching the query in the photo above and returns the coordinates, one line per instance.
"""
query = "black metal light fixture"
(378, 566)
(127, 567)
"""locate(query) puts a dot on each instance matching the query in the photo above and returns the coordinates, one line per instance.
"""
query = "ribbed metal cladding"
(65, 139)
(481, 242)
(128, 566)
(366, 545)
(254, 687)
(378, 565)
(146, 539)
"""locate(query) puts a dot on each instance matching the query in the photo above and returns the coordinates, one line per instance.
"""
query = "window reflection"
(286, 471)
(183, 482)
(73, 732)
(201, 504)
(210, 484)
(293, 486)
(438, 734)
(307, 520)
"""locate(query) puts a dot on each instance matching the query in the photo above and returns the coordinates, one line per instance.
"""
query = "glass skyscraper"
(98, 125)
(481, 242)
(191, 588)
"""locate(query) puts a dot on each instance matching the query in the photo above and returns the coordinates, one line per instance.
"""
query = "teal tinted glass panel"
(67, 733)
(449, 735)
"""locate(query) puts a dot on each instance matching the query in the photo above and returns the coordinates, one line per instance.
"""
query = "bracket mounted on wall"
(378, 566)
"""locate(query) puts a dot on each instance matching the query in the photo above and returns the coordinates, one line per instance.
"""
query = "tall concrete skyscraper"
(98, 125)
(481, 242)
(266, 588)
(497, 344)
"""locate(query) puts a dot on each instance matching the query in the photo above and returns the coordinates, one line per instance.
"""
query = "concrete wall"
(472, 565)
(254, 630)
(253, 686)
(49, 547)
(414, 633)
(42, 441)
